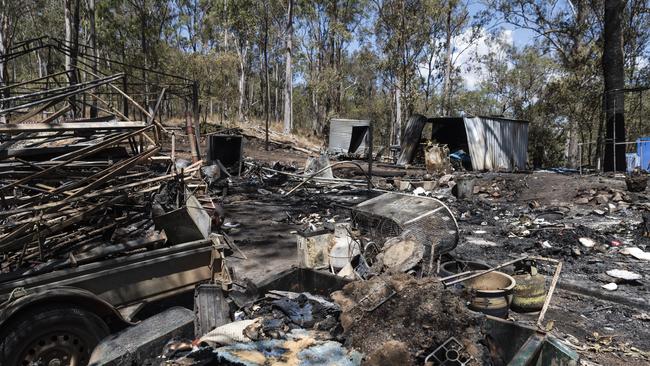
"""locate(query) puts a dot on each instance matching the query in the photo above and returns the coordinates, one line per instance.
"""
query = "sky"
(472, 71)
(520, 37)
(508, 34)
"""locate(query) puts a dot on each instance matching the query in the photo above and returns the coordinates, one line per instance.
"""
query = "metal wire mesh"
(391, 215)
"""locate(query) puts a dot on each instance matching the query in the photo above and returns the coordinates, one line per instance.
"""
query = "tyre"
(51, 335)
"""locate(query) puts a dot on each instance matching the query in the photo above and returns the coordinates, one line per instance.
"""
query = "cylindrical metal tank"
(530, 292)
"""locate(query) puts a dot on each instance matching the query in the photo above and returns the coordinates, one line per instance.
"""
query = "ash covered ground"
(507, 216)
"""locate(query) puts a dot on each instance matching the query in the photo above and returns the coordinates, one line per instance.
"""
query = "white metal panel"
(341, 134)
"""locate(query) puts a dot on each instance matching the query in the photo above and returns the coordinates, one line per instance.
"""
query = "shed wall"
(497, 144)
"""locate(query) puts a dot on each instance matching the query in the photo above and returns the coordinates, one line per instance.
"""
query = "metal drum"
(529, 294)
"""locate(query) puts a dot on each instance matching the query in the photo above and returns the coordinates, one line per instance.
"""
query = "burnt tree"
(614, 77)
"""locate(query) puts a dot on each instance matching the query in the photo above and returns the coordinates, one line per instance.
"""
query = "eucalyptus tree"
(402, 38)
(575, 33)
(329, 28)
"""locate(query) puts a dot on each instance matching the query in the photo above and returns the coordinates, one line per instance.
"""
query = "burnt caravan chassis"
(59, 317)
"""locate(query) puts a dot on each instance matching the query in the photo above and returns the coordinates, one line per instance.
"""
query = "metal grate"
(449, 353)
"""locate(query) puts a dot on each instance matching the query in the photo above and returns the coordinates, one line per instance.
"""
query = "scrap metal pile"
(82, 205)
(78, 176)
(388, 320)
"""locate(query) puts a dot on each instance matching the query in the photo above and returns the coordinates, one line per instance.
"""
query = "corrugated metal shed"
(341, 131)
(497, 143)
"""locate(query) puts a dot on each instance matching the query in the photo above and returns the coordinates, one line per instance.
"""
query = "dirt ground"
(612, 329)
(609, 333)
(421, 313)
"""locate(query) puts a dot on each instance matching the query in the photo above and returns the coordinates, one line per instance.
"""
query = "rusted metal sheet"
(187, 223)
(518, 345)
(211, 309)
(136, 345)
(497, 144)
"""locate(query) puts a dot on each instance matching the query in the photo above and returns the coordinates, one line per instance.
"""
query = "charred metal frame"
(46, 91)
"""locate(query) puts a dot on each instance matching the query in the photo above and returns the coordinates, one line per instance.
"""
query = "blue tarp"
(643, 150)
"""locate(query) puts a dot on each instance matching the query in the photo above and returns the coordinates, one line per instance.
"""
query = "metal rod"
(614, 140)
(332, 180)
(549, 295)
(79, 154)
(325, 168)
(478, 274)
(75, 89)
(173, 153)
(196, 111)
(63, 89)
(31, 81)
(121, 92)
(191, 137)
(580, 153)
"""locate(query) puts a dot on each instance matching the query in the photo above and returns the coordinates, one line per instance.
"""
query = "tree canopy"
(383, 60)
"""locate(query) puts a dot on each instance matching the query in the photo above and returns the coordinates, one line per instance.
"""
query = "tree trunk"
(614, 76)
(397, 127)
(276, 112)
(336, 45)
(267, 100)
(72, 41)
(316, 106)
(576, 62)
(225, 28)
(430, 67)
(572, 145)
(242, 52)
(93, 44)
(446, 90)
(4, 46)
(288, 74)
(68, 32)
(145, 52)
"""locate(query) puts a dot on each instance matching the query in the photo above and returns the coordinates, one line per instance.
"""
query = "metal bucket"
(464, 187)
(491, 293)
